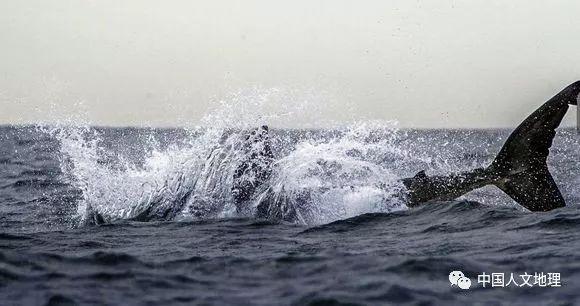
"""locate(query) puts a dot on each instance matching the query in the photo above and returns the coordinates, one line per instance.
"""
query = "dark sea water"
(374, 255)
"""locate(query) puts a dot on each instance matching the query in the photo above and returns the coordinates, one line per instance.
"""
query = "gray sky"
(437, 63)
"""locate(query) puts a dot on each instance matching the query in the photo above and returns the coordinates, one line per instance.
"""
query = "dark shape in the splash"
(520, 168)
(255, 167)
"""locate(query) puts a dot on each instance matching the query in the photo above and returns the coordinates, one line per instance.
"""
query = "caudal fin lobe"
(521, 166)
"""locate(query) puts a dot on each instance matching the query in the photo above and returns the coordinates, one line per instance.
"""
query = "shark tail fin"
(520, 167)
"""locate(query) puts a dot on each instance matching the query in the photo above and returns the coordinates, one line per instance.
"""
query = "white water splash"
(341, 177)
(352, 171)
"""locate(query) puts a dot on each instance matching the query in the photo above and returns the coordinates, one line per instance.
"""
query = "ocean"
(356, 243)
